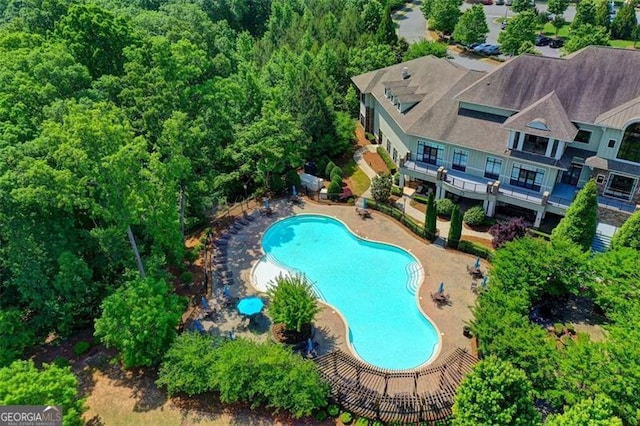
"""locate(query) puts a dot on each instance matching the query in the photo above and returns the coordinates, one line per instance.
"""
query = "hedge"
(396, 190)
(420, 199)
(475, 249)
(387, 160)
(444, 206)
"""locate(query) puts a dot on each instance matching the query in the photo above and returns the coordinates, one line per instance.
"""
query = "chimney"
(405, 73)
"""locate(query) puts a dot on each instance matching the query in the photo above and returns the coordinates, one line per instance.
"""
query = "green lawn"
(550, 31)
(359, 179)
(624, 44)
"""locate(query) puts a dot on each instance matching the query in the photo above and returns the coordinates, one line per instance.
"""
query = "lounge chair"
(363, 213)
(266, 211)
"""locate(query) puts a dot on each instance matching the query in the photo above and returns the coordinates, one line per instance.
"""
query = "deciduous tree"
(472, 26)
(495, 393)
(593, 412)
(140, 320)
(585, 13)
(424, 48)
(21, 383)
(444, 15)
(625, 21)
(521, 29)
(381, 188)
(520, 6)
(586, 35)
(293, 302)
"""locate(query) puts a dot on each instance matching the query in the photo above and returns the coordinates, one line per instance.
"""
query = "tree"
(625, 21)
(635, 35)
(585, 13)
(495, 393)
(140, 320)
(293, 302)
(386, 31)
(186, 367)
(21, 383)
(520, 6)
(381, 188)
(424, 48)
(521, 29)
(426, 7)
(455, 228)
(371, 16)
(370, 57)
(557, 8)
(15, 335)
(586, 35)
(592, 412)
(472, 26)
(444, 15)
(618, 281)
(502, 233)
(602, 13)
(581, 219)
(431, 218)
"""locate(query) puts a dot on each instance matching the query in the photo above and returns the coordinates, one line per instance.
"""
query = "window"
(362, 96)
(459, 160)
(431, 153)
(535, 144)
(583, 136)
(600, 179)
(395, 155)
(620, 186)
(492, 168)
(630, 146)
(527, 177)
(612, 143)
(388, 145)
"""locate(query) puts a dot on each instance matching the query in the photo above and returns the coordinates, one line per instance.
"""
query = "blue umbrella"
(309, 345)
(294, 191)
(441, 288)
(250, 306)
(477, 265)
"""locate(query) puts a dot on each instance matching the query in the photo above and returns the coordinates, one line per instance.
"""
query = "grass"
(359, 180)
(550, 30)
(623, 44)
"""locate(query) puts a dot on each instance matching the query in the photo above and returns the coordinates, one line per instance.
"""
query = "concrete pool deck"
(440, 265)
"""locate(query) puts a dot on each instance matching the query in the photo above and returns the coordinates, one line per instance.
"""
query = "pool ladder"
(414, 274)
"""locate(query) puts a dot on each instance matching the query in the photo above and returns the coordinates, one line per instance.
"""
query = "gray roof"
(549, 113)
(618, 117)
(613, 165)
(588, 83)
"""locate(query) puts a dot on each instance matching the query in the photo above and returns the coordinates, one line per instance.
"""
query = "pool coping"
(435, 354)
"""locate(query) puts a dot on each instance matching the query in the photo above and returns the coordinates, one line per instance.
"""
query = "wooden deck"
(422, 395)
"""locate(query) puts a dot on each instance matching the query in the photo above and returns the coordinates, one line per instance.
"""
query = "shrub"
(558, 328)
(276, 184)
(321, 415)
(387, 160)
(81, 347)
(186, 277)
(474, 248)
(503, 233)
(328, 169)
(396, 179)
(475, 216)
(370, 137)
(333, 410)
(191, 255)
(346, 418)
(381, 188)
(420, 199)
(293, 302)
(430, 218)
(334, 190)
(580, 222)
(397, 191)
(444, 207)
(337, 171)
(61, 362)
(292, 178)
(362, 421)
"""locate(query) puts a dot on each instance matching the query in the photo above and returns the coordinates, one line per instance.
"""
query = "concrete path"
(405, 202)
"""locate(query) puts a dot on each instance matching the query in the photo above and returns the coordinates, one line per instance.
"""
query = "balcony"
(563, 194)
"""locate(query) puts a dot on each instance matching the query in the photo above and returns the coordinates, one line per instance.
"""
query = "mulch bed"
(376, 163)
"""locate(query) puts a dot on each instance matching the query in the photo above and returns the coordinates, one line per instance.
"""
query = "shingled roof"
(546, 118)
(588, 83)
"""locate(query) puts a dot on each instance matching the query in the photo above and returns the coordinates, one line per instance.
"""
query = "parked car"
(542, 40)
(491, 49)
(503, 25)
(472, 46)
(478, 48)
(555, 43)
(499, 2)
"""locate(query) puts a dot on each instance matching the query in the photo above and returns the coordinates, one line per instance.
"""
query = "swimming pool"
(371, 284)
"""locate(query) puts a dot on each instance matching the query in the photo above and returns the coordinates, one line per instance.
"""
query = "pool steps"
(414, 277)
(292, 271)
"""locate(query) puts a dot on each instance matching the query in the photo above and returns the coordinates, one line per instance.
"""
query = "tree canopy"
(521, 30)
(472, 26)
(581, 219)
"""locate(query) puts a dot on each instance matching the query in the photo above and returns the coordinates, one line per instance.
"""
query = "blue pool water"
(367, 282)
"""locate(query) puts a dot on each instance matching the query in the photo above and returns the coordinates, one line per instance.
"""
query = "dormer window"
(539, 124)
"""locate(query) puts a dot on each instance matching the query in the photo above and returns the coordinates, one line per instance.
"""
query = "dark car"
(542, 40)
(555, 43)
